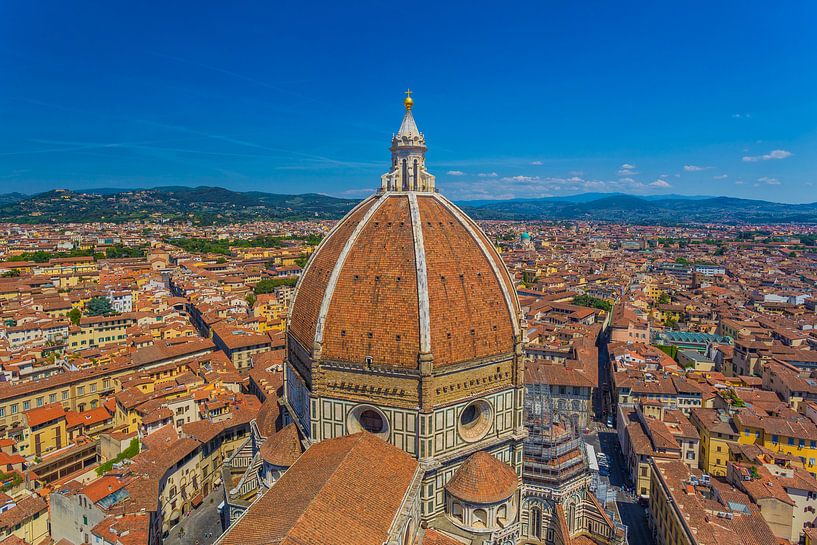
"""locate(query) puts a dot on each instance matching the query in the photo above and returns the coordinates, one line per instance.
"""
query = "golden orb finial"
(408, 102)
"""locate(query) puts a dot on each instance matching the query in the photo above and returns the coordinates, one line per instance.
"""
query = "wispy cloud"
(537, 163)
(534, 186)
(487, 174)
(774, 154)
(627, 170)
(769, 181)
(741, 116)
(356, 192)
(695, 168)
(455, 173)
(720, 177)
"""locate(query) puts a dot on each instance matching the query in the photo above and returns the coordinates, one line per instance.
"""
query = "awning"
(197, 500)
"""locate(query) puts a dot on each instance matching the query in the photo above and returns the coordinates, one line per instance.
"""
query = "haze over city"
(692, 98)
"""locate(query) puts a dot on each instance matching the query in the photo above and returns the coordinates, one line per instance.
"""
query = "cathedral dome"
(405, 275)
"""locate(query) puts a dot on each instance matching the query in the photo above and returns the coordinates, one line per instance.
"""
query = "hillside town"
(142, 375)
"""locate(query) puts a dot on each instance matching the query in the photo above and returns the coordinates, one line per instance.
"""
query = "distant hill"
(201, 205)
(670, 209)
(210, 205)
(9, 198)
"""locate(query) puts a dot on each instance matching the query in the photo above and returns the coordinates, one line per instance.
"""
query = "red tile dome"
(405, 274)
(483, 479)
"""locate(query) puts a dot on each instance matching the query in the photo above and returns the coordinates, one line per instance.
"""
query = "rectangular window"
(93, 387)
(26, 405)
(791, 441)
(14, 408)
(39, 402)
(81, 391)
(775, 439)
(52, 398)
(65, 395)
(2, 411)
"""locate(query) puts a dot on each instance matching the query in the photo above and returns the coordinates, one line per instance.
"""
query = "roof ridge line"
(422, 275)
(461, 217)
(325, 482)
(332, 283)
(309, 261)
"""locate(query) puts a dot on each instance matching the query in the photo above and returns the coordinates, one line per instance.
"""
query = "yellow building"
(100, 330)
(797, 438)
(26, 520)
(717, 433)
(45, 431)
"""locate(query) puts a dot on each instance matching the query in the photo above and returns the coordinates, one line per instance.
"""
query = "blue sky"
(542, 98)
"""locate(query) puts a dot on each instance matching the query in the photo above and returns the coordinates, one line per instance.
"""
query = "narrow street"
(633, 515)
(202, 526)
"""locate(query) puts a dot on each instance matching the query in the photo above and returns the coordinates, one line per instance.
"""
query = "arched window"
(408, 535)
(571, 517)
(502, 516)
(416, 179)
(456, 511)
(405, 176)
(536, 522)
(480, 518)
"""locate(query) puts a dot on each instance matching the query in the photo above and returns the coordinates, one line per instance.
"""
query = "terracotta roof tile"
(283, 448)
(483, 479)
(343, 491)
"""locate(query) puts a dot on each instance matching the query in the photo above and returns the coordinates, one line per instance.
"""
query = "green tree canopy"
(268, 285)
(99, 306)
(592, 302)
(74, 315)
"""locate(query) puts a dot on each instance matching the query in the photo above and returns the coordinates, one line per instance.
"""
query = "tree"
(99, 306)
(592, 302)
(664, 299)
(268, 285)
(251, 299)
(74, 315)
(13, 273)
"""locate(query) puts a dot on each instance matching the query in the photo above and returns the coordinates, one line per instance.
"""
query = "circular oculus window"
(368, 418)
(475, 420)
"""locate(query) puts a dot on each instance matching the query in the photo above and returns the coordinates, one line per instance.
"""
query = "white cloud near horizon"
(455, 173)
(661, 184)
(694, 168)
(774, 154)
